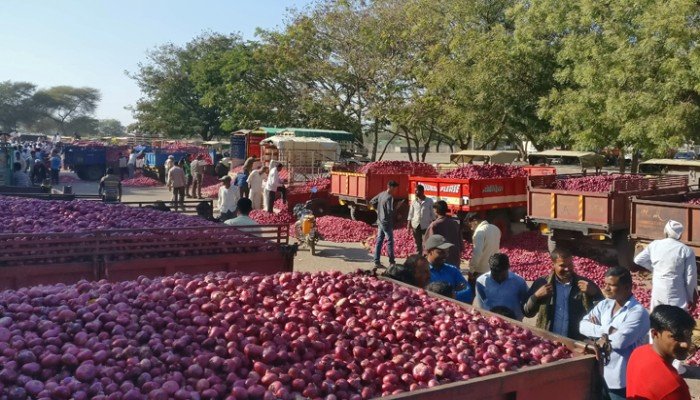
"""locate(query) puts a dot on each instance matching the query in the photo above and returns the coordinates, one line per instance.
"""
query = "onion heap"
(321, 184)
(486, 171)
(399, 167)
(341, 230)
(404, 245)
(594, 183)
(231, 336)
(141, 181)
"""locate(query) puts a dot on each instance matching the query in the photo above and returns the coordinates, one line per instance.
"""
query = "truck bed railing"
(121, 244)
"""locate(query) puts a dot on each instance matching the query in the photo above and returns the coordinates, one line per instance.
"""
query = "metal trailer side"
(356, 189)
(578, 377)
(649, 215)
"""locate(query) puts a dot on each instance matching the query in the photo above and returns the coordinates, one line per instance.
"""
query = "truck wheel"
(353, 212)
(94, 172)
(501, 219)
(625, 250)
(401, 212)
(367, 216)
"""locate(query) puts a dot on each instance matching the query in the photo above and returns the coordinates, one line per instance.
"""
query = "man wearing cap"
(383, 203)
(436, 252)
(674, 272)
(449, 229)
(272, 185)
(228, 198)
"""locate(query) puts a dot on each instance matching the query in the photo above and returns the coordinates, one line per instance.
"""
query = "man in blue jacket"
(436, 247)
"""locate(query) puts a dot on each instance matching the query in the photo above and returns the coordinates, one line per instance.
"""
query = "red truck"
(500, 200)
(357, 189)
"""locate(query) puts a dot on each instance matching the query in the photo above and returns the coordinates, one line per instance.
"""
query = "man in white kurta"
(255, 184)
(674, 271)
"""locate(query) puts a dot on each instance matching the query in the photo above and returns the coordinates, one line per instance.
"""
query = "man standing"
(501, 288)
(561, 299)
(674, 272)
(197, 170)
(486, 239)
(39, 174)
(223, 167)
(185, 165)
(383, 203)
(228, 198)
(621, 320)
(177, 182)
(55, 167)
(242, 183)
(673, 266)
(169, 163)
(255, 184)
(448, 228)
(131, 163)
(123, 166)
(110, 187)
(244, 206)
(650, 372)
(436, 247)
(20, 178)
(273, 184)
(420, 215)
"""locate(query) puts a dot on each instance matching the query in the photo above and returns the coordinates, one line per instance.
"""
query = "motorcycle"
(305, 229)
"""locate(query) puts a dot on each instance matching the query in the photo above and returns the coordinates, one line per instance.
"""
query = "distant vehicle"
(685, 155)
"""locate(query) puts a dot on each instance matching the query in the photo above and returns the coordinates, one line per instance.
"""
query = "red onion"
(399, 167)
(485, 171)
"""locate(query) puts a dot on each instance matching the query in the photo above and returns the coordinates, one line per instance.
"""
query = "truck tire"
(94, 172)
(501, 219)
(625, 250)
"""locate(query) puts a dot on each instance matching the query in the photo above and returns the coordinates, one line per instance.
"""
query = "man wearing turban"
(674, 272)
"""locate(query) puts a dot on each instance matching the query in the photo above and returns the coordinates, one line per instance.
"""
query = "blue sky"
(92, 42)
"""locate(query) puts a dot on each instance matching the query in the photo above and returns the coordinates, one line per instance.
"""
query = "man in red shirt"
(650, 375)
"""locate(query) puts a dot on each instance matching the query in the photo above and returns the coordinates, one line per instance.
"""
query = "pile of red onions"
(485, 171)
(340, 230)
(595, 183)
(141, 181)
(68, 177)
(399, 167)
(263, 217)
(695, 202)
(22, 215)
(231, 336)
(321, 184)
(212, 191)
(87, 143)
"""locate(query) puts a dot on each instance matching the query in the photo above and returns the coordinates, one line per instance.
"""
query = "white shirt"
(674, 272)
(241, 220)
(273, 181)
(486, 240)
(255, 181)
(631, 324)
(421, 213)
(228, 198)
(132, 158)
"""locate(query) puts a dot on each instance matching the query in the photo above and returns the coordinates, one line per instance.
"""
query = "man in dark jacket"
(449, 228)
(561, 299)
(384, 204)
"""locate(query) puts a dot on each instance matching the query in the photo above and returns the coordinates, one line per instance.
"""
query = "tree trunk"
(386, 146)
(375, 143)
(621, 160)
(634, 168)
(408, 143)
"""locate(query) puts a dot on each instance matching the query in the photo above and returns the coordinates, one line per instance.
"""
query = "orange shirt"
(649, 377)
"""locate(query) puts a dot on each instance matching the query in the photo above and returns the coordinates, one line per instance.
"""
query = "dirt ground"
(344, 257)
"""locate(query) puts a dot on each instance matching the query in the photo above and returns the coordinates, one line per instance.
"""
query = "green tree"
(627, 72)
(173, 104)
(68, 107)
(110, 127)
(17, 105)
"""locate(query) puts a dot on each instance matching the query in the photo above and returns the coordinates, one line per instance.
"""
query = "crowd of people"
(645, 347)
(34, 162)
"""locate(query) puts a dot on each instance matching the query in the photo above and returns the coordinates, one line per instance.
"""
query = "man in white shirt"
(228, 197)
(273, 184)
(244, 206)
(674, 279)
(123, 169)
(624, 321)
(420, 215)
(255, 184)
(486, 239)
(131, 164)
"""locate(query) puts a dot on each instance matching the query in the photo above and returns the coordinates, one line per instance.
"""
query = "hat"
(673, 229)
(226, 161)
(225, 178)
(171, 156)
(437, 242)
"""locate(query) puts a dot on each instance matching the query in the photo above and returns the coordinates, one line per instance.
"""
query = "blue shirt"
(55, 162)
(450, 274)
(632, 327)
(511, 293)
(560, 325)
(241, 179)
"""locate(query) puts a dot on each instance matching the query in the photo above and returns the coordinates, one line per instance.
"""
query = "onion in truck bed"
(594, 183)
(399, 167)
(485, 171)
(230, 336)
